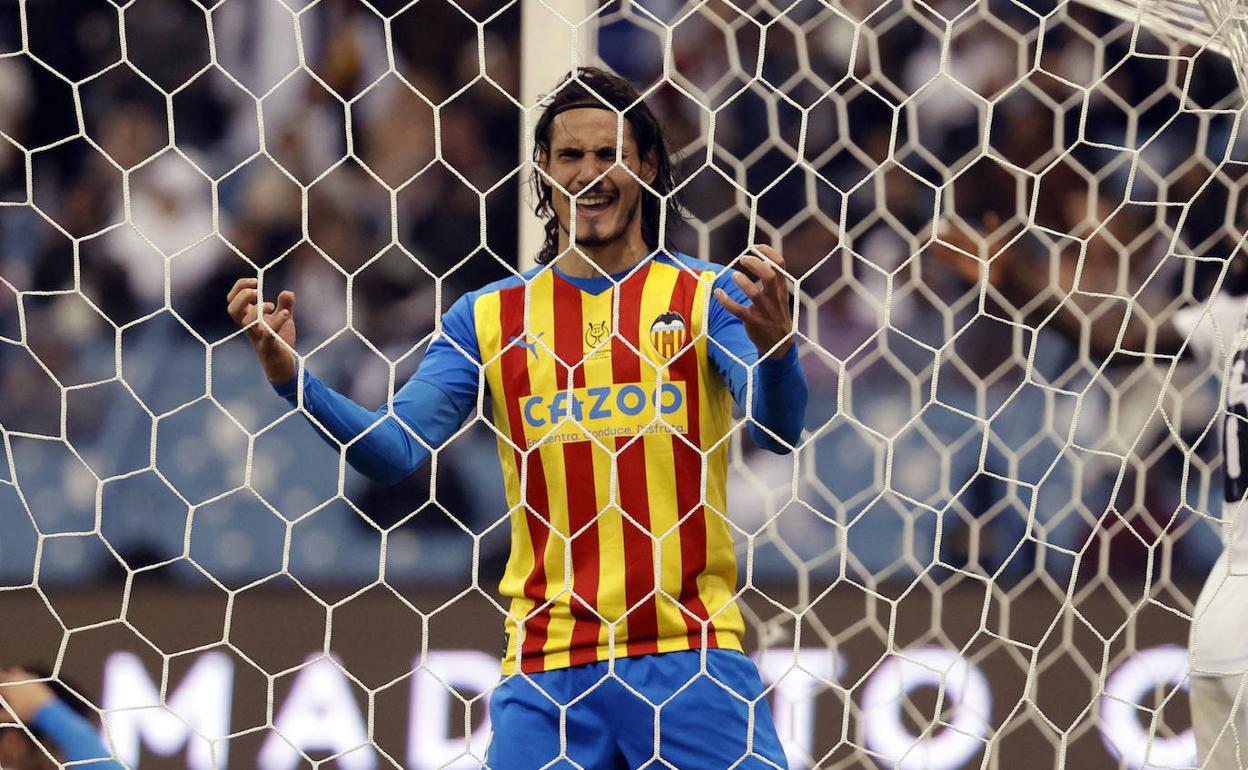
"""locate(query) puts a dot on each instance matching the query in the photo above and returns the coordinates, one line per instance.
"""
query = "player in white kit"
(1218, 639)
(1219, 633)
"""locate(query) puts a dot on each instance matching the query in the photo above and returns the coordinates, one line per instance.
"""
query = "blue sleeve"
(428, 409)
(72, 736)
(778, 402)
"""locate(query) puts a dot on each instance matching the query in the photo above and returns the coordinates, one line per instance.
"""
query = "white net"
(1218, 24)
(986, 549)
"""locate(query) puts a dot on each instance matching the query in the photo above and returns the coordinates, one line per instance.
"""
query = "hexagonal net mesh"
(1219, 24)
(1003, 225)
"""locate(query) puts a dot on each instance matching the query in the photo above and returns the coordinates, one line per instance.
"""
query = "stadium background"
(799, 552)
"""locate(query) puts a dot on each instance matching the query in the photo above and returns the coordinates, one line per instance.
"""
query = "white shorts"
(1220, 722)
(1219, 635)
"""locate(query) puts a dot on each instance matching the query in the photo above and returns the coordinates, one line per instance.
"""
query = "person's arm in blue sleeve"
(778, 401)
(72, 737)
(433, 404)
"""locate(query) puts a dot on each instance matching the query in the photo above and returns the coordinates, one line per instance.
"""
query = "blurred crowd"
(389, 184)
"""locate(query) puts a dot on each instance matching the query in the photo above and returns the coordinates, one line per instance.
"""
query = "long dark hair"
(591, 86)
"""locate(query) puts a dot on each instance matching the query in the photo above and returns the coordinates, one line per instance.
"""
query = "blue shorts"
(658, 711)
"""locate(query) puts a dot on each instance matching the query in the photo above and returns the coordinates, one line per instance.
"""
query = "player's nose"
(587, 171)
(591, 169)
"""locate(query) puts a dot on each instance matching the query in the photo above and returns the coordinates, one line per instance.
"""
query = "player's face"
(583, 161)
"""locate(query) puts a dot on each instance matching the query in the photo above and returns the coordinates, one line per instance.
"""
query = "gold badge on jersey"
(596, 334)
(669, 333)
(597, 340)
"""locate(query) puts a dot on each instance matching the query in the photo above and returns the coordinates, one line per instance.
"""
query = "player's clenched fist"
(274, 337)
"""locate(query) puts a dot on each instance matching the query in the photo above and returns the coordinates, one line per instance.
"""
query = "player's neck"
(596, 261)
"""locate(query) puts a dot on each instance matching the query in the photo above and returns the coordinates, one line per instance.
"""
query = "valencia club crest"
(669, 333)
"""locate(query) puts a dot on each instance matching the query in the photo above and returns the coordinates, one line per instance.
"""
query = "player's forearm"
(776, 389)
(73, 737)
(384, 451)
(778, 406)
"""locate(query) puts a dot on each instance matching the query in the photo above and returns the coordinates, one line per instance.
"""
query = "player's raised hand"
(23, 693)
(769, 319)
(274, 337)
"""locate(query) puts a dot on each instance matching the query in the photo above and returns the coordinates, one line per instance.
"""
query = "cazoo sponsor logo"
(622, 409)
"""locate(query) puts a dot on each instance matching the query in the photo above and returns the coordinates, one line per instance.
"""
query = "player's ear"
(649, 167)
(543, 171)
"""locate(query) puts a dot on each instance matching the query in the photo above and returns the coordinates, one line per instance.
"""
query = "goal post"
(556, 36)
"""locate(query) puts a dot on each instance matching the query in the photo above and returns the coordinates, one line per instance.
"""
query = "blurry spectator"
(171, 211)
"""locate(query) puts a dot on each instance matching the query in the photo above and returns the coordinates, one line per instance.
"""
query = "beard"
(596, 238)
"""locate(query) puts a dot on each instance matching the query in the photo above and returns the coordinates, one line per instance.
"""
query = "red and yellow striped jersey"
(612, 424)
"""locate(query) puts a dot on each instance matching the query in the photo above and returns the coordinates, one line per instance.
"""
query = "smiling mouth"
(593, 203)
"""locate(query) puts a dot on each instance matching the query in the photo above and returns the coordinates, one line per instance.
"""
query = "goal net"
(986, 548)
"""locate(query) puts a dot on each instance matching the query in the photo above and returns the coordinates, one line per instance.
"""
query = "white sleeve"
(1212, 328)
